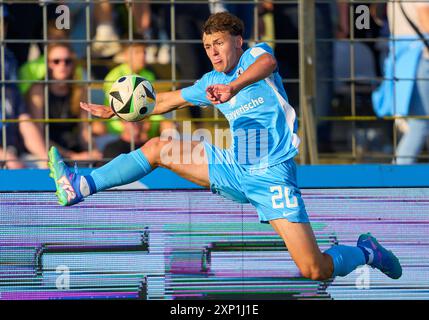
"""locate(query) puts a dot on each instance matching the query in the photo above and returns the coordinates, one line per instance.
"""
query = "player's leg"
(278, 200)
(302, 246)
(339, 260)
(187, 159)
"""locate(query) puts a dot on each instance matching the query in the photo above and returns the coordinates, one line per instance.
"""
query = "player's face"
(223, 50)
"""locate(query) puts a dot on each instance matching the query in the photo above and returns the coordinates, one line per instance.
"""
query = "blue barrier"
(317, 176)
(363, 175)
(39, 180)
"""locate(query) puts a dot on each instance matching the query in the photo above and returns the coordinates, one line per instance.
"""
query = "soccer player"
(257, 169)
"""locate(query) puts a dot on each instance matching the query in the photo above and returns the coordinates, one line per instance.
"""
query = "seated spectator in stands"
(63, 98)
(18, 135)
(35, 70)
(133, 56)
(24, 143)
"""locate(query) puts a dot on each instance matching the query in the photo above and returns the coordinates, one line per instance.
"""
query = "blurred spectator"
(105, 31)
(408, 59)
(245, 11)
(286, 24)
(35, 70)
(192, 59)
(63, 98)
(141, 16)
(153, 26)
(133, 57)
(189, 19)
(137, 133)
(26, 23)
(105, 41)
(265, 21)
(105, 37)
(149, 27)
(24, 134)
(374, 31)
(379, 14)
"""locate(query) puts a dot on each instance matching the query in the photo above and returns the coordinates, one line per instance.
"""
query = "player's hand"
(97, 110)
(219, 93)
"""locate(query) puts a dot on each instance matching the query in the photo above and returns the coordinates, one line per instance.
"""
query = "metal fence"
(347, 67)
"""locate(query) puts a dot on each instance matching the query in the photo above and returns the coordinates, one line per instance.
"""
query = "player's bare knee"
(152, 150)
(152, 143)
(163, 152)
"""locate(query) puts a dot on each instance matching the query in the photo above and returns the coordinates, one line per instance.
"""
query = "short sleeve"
(252, 54)
(196, 94)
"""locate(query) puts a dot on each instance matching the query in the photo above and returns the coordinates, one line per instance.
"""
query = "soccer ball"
(132, 98)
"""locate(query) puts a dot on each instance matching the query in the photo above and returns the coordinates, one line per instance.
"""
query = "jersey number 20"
(277, 198)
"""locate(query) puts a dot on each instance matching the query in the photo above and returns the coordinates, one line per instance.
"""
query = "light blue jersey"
(263, 124)
(258, 168)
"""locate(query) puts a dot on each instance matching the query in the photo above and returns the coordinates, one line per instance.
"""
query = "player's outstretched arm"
(169, 101)
(263, 67)
(165, 102)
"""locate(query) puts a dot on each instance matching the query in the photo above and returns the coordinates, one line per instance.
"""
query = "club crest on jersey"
(239, 72)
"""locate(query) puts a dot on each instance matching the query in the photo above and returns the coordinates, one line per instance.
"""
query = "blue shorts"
(273, 191)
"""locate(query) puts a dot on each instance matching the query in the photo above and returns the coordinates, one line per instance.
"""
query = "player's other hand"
(219, 93)
(97, 110)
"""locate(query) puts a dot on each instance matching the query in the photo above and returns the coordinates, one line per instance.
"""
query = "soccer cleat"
(67, 182)
(382, 259)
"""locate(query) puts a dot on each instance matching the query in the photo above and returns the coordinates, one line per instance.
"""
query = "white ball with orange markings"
(132, 98)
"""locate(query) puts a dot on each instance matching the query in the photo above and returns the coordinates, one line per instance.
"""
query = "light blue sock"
(124, 169)
(345, 259)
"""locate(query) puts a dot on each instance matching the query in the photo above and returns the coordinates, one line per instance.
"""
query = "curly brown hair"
(223, 22)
